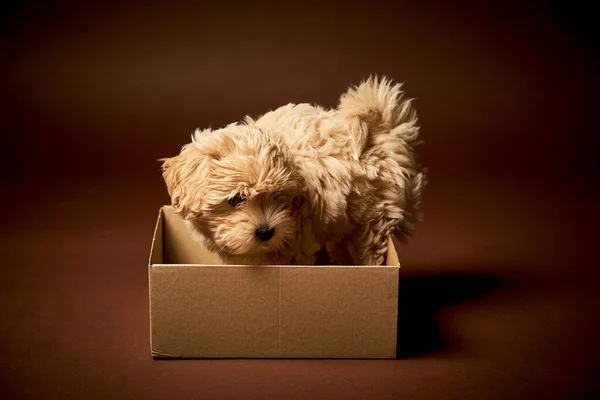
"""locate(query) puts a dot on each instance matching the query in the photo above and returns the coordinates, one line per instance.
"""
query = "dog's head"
(237, 187)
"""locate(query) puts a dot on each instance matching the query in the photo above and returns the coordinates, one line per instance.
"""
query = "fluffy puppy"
(278, 189)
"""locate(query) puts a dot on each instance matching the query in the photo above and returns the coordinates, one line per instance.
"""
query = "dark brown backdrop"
(498, 293)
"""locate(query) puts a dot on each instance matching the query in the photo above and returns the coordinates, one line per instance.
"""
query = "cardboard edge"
(274, 266)
(155, 248)
(168, 357)
(396, 298)
(393, 260)
(157, 355)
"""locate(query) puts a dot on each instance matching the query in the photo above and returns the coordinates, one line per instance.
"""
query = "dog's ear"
(186, 178)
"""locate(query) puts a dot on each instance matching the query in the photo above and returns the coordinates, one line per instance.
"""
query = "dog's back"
(359, 157)
(386, 131)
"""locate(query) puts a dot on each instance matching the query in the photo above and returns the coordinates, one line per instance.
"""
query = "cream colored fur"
(344, 178)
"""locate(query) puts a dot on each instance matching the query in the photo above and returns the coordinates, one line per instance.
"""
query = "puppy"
(278, 189)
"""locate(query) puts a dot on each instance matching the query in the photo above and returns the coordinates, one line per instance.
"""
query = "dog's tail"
(378, 107)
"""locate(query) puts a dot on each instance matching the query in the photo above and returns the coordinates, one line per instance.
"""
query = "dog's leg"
(370, 245)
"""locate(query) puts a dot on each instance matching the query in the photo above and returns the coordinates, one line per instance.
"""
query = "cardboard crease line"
(279, 312)
(156, 353)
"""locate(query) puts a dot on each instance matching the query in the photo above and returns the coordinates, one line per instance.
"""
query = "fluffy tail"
(377, 106)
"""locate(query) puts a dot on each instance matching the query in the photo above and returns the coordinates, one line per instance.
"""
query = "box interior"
(176, 247)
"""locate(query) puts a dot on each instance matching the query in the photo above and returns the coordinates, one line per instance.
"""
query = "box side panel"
(179, 247)
(338, 312)
(392, 254)
(156, 250)
(156, 257)
(214, 311)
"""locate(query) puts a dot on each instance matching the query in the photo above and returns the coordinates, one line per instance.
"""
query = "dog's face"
(236, 186)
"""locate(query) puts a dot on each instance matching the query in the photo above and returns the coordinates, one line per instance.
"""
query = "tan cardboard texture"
(200, 308)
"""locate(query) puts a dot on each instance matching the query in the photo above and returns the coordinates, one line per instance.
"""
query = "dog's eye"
(235, 200)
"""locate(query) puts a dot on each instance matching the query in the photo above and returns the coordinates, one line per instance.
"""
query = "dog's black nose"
(264, 233)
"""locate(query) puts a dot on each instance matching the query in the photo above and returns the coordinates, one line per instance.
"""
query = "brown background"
(499, 287)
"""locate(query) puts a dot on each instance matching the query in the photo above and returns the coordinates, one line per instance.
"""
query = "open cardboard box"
(200, 308)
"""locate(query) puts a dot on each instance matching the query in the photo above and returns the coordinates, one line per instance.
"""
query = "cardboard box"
(200, 308)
